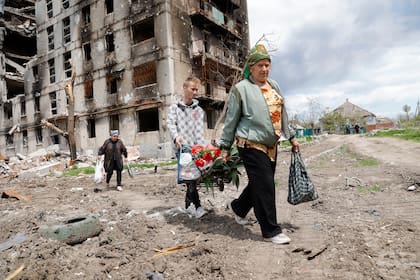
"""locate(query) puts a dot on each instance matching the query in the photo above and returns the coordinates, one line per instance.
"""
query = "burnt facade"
(17, 49)
(129, 60)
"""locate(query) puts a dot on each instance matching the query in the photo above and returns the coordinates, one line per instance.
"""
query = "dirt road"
(365, 225)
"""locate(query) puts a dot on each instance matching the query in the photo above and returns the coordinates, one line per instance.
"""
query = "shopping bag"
(99, 172)
(301, 188)
(187, 170)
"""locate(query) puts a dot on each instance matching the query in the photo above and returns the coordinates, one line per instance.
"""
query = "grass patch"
(367, 162)
(151, 165)
(304, 139)
(370, 189)
(411, 134)
(74, 171)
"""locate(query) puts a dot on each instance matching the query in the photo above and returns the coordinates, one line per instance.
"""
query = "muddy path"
(364, 226)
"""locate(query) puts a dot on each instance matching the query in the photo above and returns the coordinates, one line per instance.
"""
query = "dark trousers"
(110, 171)
(260, 192)
(191, 195)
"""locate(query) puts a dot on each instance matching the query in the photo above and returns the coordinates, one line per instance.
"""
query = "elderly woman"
(256, 119)
(113, 148)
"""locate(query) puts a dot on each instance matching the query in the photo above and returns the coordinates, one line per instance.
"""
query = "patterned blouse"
(275, 103)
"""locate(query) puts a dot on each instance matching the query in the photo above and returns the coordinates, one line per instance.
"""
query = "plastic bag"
(99, 172)
(301, 188)
(187, 170)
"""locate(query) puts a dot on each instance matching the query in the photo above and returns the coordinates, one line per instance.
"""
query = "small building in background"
(354, 114)
(384, 123)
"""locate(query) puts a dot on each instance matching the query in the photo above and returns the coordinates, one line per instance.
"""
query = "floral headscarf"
(257, 53)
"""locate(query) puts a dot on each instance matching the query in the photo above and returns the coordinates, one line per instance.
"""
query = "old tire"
(74, 230)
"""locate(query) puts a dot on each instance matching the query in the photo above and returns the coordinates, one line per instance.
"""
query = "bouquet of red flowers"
(205, 165)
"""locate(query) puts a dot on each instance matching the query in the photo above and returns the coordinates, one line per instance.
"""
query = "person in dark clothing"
(113, 149)
(357, 128)
(347, 127)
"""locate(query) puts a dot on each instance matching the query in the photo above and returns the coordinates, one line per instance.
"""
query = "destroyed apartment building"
(125, 61)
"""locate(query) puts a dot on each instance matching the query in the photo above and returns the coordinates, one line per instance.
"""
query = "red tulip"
(208, 157)
(200, 162)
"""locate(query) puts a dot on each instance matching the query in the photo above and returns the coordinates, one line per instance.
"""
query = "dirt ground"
(365, 225)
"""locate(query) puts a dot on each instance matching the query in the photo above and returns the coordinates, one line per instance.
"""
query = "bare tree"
(69, 134)
(314, 112)
(406, 109)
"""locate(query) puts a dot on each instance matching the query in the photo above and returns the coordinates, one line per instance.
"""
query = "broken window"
(35, 71)
(148, 120)
(109, 6)
(9, 140)
(8, 110)
(114, 122)
(51, 68)
(53, 101)
(65, 4)
(211, 119)
(110, 46)
(38, 134)
(55, 139)
(206, 42)
(86, 15)
(144, 74)
(89, 89)
(209, 89)
(22, 107)
(87, 51)
(67, 64)
(37, 106)
(143, 30)
(49, 8)
(91, 127)
(112, 84)
(25, 137)
(66, 30)
(50, 32)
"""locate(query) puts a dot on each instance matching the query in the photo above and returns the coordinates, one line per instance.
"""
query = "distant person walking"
(186, 127)
(357, 128)
(347, 127)
(113, 149)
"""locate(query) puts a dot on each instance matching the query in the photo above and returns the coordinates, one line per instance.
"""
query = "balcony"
(210, 18)
(146, 93)
(147, 47)
(223, 55)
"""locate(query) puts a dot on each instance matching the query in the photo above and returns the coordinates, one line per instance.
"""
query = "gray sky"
(367, 51)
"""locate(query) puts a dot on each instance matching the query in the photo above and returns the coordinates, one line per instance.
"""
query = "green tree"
(332, 122)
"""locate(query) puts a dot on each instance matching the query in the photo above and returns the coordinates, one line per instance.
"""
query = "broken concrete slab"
(17, 239)
(42, 170)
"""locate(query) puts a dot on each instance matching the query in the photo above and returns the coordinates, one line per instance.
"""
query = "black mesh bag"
(301, 188)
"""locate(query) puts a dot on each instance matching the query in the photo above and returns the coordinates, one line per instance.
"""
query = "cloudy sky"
(327, 51)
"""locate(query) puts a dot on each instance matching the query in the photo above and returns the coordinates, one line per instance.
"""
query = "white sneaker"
(119, 188)
(191, 210)
(239, 220)
(200, 212)
(280, 238)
